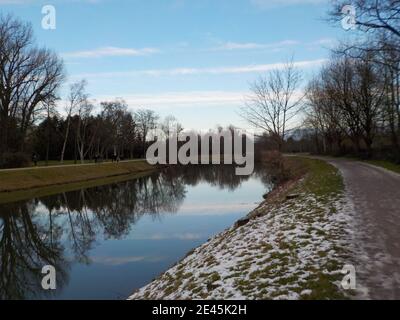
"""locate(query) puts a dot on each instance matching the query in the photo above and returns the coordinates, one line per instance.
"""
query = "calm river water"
(107, 241)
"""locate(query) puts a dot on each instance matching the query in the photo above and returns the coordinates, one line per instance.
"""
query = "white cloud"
(110, 52)
(252, 45)
(181, 99)
(257, 68)
(198, 105)
(324, 41)
(166, 101)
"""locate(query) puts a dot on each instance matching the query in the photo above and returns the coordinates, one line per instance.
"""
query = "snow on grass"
(294, 250)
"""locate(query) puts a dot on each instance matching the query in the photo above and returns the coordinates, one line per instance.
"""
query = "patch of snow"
(276, 256)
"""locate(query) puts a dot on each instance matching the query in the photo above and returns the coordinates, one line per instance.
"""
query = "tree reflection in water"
(26, 245)
(43, 231)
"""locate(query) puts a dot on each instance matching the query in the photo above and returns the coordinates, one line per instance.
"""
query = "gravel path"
(375, 196)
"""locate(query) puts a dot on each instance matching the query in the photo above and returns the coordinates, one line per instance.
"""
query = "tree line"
(88, 131)
(350, 107)
(354, 102)
(31, 126)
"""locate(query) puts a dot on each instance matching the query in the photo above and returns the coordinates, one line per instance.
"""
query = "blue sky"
(194, 59)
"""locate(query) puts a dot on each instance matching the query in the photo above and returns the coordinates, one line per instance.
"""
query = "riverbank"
(293, 246)
(24, 180)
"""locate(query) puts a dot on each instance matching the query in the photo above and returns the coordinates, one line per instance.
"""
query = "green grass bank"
(43, 177)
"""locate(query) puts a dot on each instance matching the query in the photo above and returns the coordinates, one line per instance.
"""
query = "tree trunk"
(4, 135)
(65, 140)
(48, 137)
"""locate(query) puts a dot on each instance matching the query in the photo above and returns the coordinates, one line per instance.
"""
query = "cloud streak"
(229, 46)
(181, 99)
(258, 68)
(110, 52)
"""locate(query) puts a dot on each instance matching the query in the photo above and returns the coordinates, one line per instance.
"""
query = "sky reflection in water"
(107, 241)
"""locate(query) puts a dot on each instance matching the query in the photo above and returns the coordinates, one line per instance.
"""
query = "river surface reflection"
(109, 240)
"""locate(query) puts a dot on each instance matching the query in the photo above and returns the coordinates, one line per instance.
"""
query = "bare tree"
(390, 76)
(324, 117)
(128, 133)
(113, 115)
(373, 15)
(347, 98)
(77, 96)
(83, 143)
(146, 121)
(369, 97)
(378, 24)
(50, 111)
(274, 102)
(28, 77)
(170, 126)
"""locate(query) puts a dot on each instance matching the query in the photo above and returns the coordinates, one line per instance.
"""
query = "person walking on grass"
(35, 159)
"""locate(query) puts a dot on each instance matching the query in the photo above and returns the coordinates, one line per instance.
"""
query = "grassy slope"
(322, 178)
(7, 197)
(27, 179)
(324, 183)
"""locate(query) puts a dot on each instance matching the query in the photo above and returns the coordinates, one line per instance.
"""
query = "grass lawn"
(31, 178)
(7, 197)
(323, 179)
